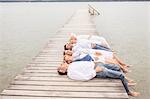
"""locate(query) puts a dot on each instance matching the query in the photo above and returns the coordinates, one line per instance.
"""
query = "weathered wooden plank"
(80, 32)
(63, 94)
(66, 83)
(45, 59)
(53, 50)
(60, 78)
(79, 28)
(67, 88)
(42, 68)
(48, 58)
(84, 26)
(52, 55)
(39, 71)
(53, 47)
(44, 65)
(46, 62)
(50, 69)
(34, 97)
(41, 74)
(49, 55)
(58, 42)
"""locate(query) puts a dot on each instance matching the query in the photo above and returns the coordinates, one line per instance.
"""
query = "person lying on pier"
(85, 45)
(87, 70)
(95, 42)
(93, 55)
(89, 38)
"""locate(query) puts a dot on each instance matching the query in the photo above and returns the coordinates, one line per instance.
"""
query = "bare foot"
(131, 84)
(134, 94)
(125, 70)
(130, 80)
(126, 66)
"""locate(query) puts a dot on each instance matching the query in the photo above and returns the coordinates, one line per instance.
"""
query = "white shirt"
(81, 44)
(79, 54)
(84, 43)
(87, 42)
(81, 70)
(94, 39)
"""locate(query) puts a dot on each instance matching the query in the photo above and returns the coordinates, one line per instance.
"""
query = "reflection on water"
(124, 25)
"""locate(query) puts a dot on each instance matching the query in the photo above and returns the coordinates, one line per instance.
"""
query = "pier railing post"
(92, 10)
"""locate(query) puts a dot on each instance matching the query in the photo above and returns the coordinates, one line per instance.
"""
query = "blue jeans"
(110, 66)
(111, 73)
(85, 58)
(100, 47)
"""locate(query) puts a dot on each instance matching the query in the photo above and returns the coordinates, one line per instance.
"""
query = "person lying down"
(87, 70)
(88, 56)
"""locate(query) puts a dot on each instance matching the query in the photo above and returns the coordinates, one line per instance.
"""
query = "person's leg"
(107, 73)
(110, 66)
(124, 69)
(120, 61)
(100, 47)
(114, 61)
(130, 81)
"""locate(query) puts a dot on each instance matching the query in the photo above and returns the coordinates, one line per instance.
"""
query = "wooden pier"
(40, 79)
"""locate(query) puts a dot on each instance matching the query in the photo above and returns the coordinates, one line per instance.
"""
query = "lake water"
(26, 27)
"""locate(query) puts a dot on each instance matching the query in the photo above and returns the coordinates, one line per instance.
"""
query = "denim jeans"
(100, 47)
(110, 66)
(111, 73)
(85, 58)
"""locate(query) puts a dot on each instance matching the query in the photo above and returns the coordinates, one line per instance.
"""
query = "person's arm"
(118, 60)
(98, 69)
(110, 61)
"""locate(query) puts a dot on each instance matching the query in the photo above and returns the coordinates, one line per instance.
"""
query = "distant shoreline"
(69, 0)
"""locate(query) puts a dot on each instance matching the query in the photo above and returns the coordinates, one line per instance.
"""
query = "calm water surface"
(26, 27)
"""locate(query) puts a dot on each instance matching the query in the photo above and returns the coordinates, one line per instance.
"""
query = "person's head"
(68, 59)
(68, 52)
(73, 39)
(68, 46)
(62, 69)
